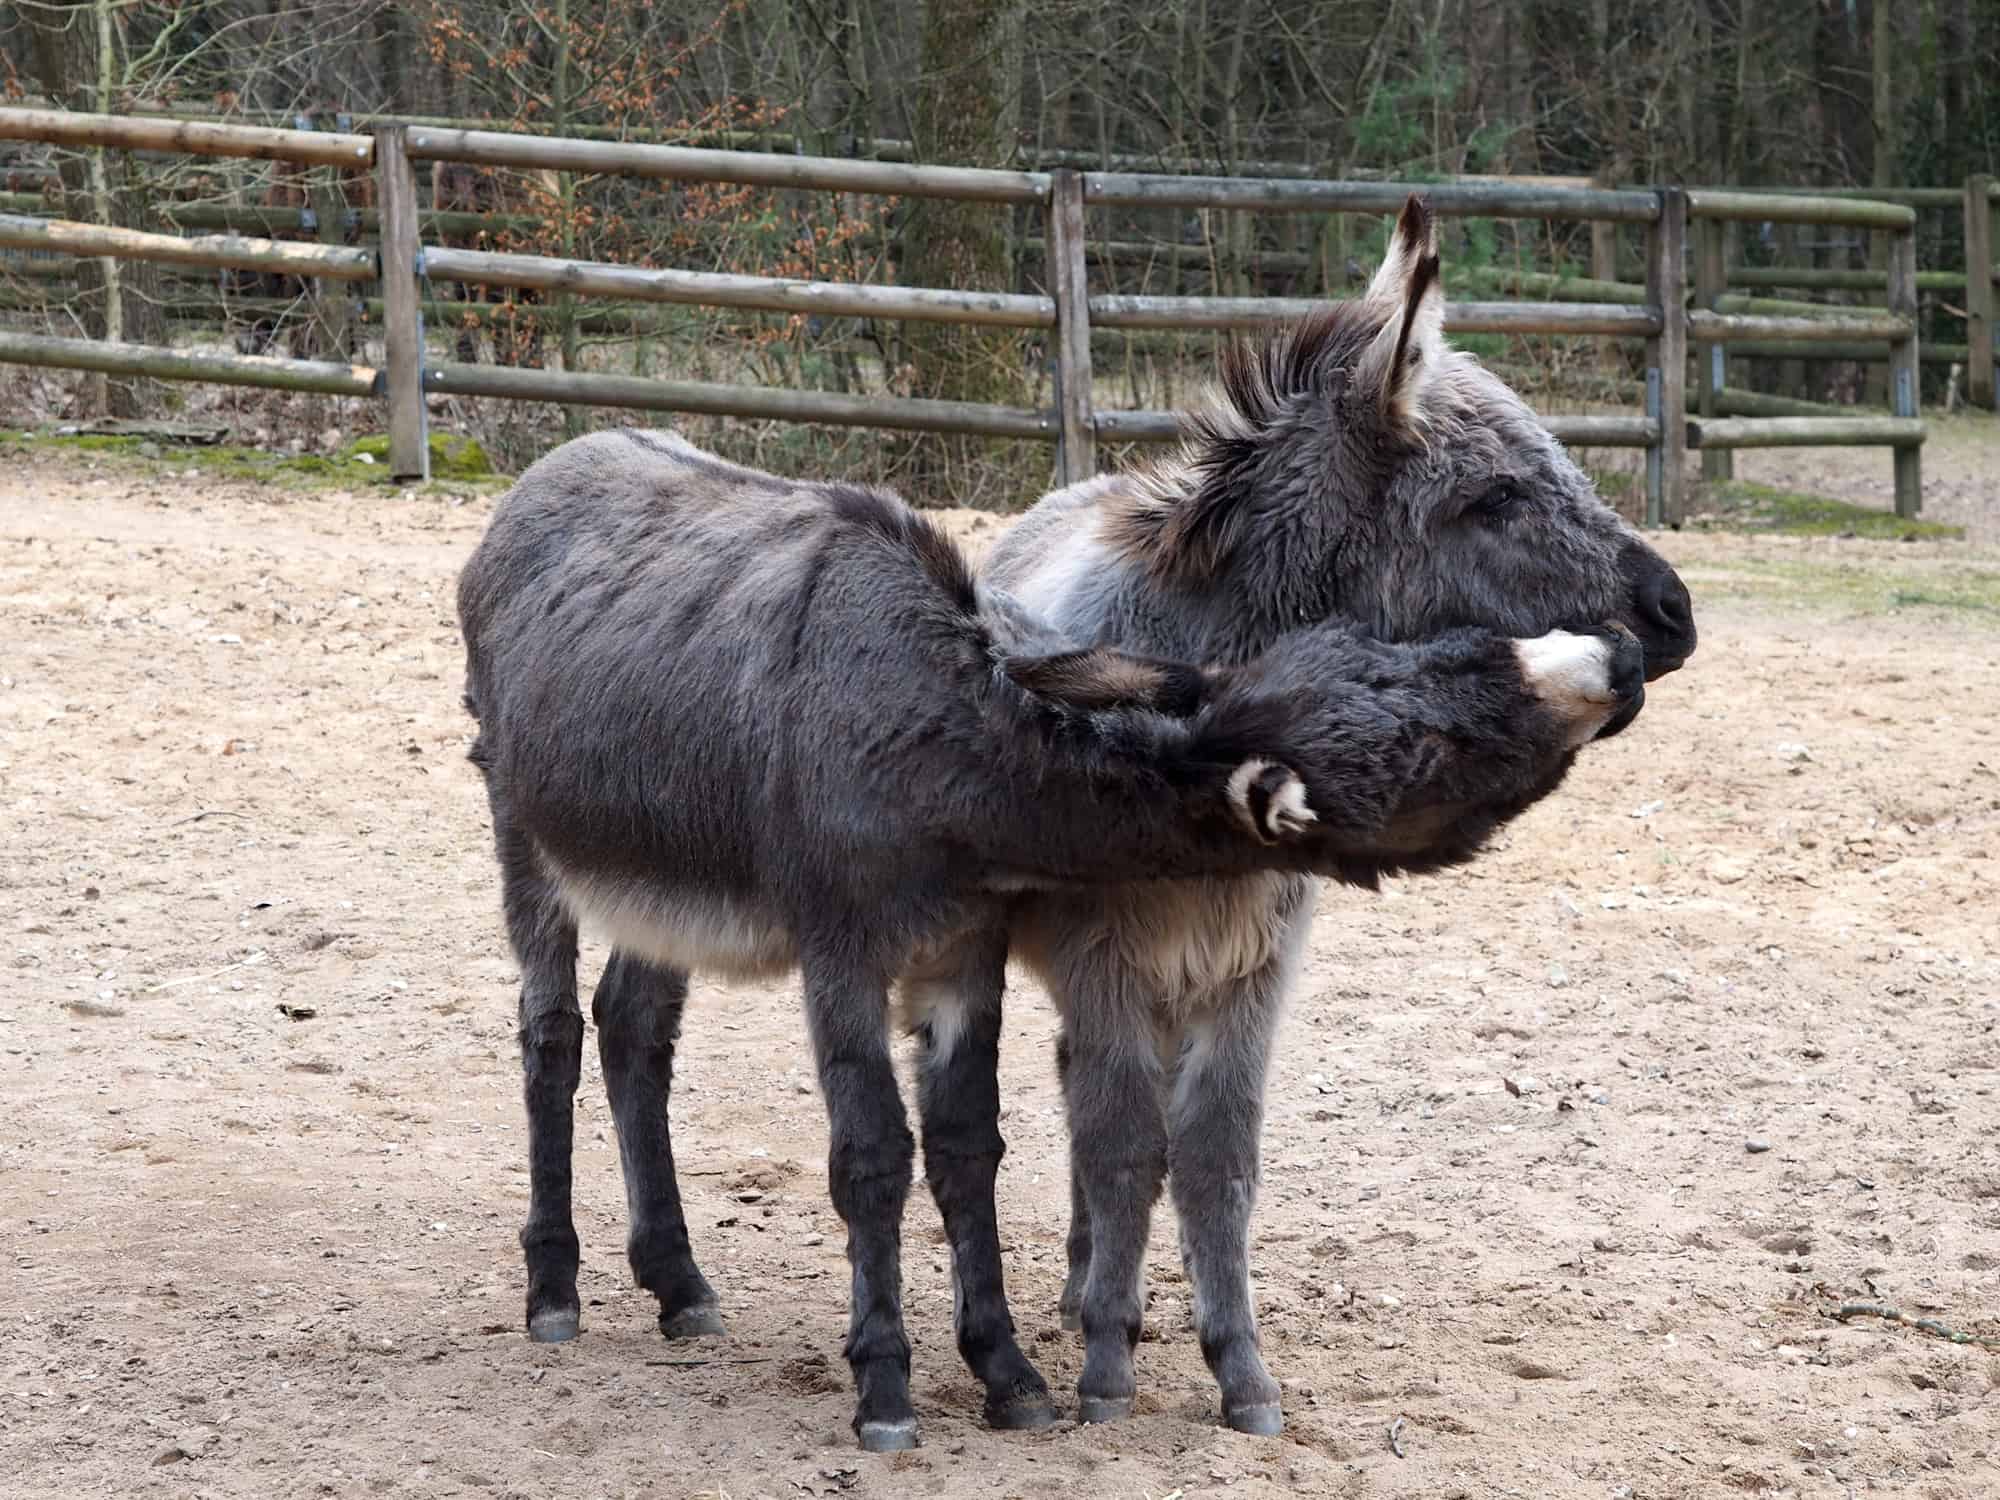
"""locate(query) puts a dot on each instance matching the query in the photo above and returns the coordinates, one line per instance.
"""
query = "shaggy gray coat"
(744, 724)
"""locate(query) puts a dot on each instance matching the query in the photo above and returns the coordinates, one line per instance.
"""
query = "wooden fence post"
(1904, 369)
(1711, 280)
(1666, 359)
(1076, 453)
(402, 318)
(1979, 375)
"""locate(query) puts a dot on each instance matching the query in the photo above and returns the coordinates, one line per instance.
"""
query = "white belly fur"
(695, 931)
(1182, 939)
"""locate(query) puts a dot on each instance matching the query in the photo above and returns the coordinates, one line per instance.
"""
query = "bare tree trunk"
(968, 103)
(572, 345)
(1882, 64)
(76, 54)
(389, 51)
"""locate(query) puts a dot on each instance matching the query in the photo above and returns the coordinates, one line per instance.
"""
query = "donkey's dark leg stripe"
(959, 1099)
(638, 1013)
(868, 1169)
(551, 1037)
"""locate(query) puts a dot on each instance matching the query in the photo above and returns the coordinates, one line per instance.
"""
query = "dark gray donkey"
(1352, 468)
(744, 724)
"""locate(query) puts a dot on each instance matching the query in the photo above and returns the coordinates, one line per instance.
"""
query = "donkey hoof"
(703, 1320)
(1262, 1419)
(1072, 1319)
(555, 1325)
(1024, 1413)
(1103, 1408)
(889, 1437)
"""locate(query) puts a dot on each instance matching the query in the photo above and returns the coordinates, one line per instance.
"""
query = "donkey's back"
(649, 638)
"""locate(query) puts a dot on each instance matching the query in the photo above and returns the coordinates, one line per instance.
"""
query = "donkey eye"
(1498, 500)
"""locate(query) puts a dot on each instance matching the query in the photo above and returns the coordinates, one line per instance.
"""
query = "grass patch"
(458, 464)
(1867, 586)
(1738, 505)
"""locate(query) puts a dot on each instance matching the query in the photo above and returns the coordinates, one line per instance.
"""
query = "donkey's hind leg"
(1215, 1115)
(1118, 1154)
(957, 1006)
(637, 1009)
(543, 935)
(1077, 1246)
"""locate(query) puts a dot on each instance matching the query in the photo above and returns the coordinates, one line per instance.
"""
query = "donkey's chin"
(1623, 717)
(1657, 666)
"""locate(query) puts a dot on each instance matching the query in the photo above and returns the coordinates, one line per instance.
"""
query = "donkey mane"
(1353, 387)
(1173, 515)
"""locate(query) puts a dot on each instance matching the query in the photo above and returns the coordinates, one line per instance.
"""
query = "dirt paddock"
(1570, 1156)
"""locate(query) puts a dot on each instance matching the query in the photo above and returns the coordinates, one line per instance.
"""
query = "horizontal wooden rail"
(1459, 317)
(711, 399)
(1733, 401)
(1577, 430)
(323, 376)
(199, 303)
(1928, 353)
(136, 133)
(1785, 208)
(1727, 328)
(1804, 432)
(1835, 279)
(716, 289)
(1496, 200)
(337, 261)
(1549, 317)
(695, 164)
(1550, 286)
(1916, 197)
(1783, 307)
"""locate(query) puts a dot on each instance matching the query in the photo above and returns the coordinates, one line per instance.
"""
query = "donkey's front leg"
(956, 1004)
(1215, 1115)
(868, 1169)
(1118, 1154)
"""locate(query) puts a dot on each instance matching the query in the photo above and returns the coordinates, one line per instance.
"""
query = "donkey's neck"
(1117, 797)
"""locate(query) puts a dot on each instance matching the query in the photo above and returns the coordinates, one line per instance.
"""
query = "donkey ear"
(1398, 367)
(1103, 678)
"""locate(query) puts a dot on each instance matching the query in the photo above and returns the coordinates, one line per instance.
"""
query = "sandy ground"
(261, 1157)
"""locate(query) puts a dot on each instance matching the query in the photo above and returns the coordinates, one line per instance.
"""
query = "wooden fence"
(402, 262)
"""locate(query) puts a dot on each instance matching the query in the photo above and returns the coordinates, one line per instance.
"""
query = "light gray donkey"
(746, 725)
(1353, 468)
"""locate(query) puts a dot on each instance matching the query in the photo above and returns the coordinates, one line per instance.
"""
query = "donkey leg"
(637, 1009)
(1118, 1146)
(544, 941)
(869, 1157)
(1070, 1308)
(1215, 1116)
(958, 1099)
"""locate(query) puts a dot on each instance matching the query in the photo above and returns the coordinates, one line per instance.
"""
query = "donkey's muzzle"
(1662, 611)
(1627, 675)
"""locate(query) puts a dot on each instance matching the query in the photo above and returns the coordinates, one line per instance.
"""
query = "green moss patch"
(456, 462)
(1869, 585)
(1738, 505)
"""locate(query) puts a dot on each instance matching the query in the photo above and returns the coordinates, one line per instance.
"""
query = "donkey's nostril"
(1665, 605)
